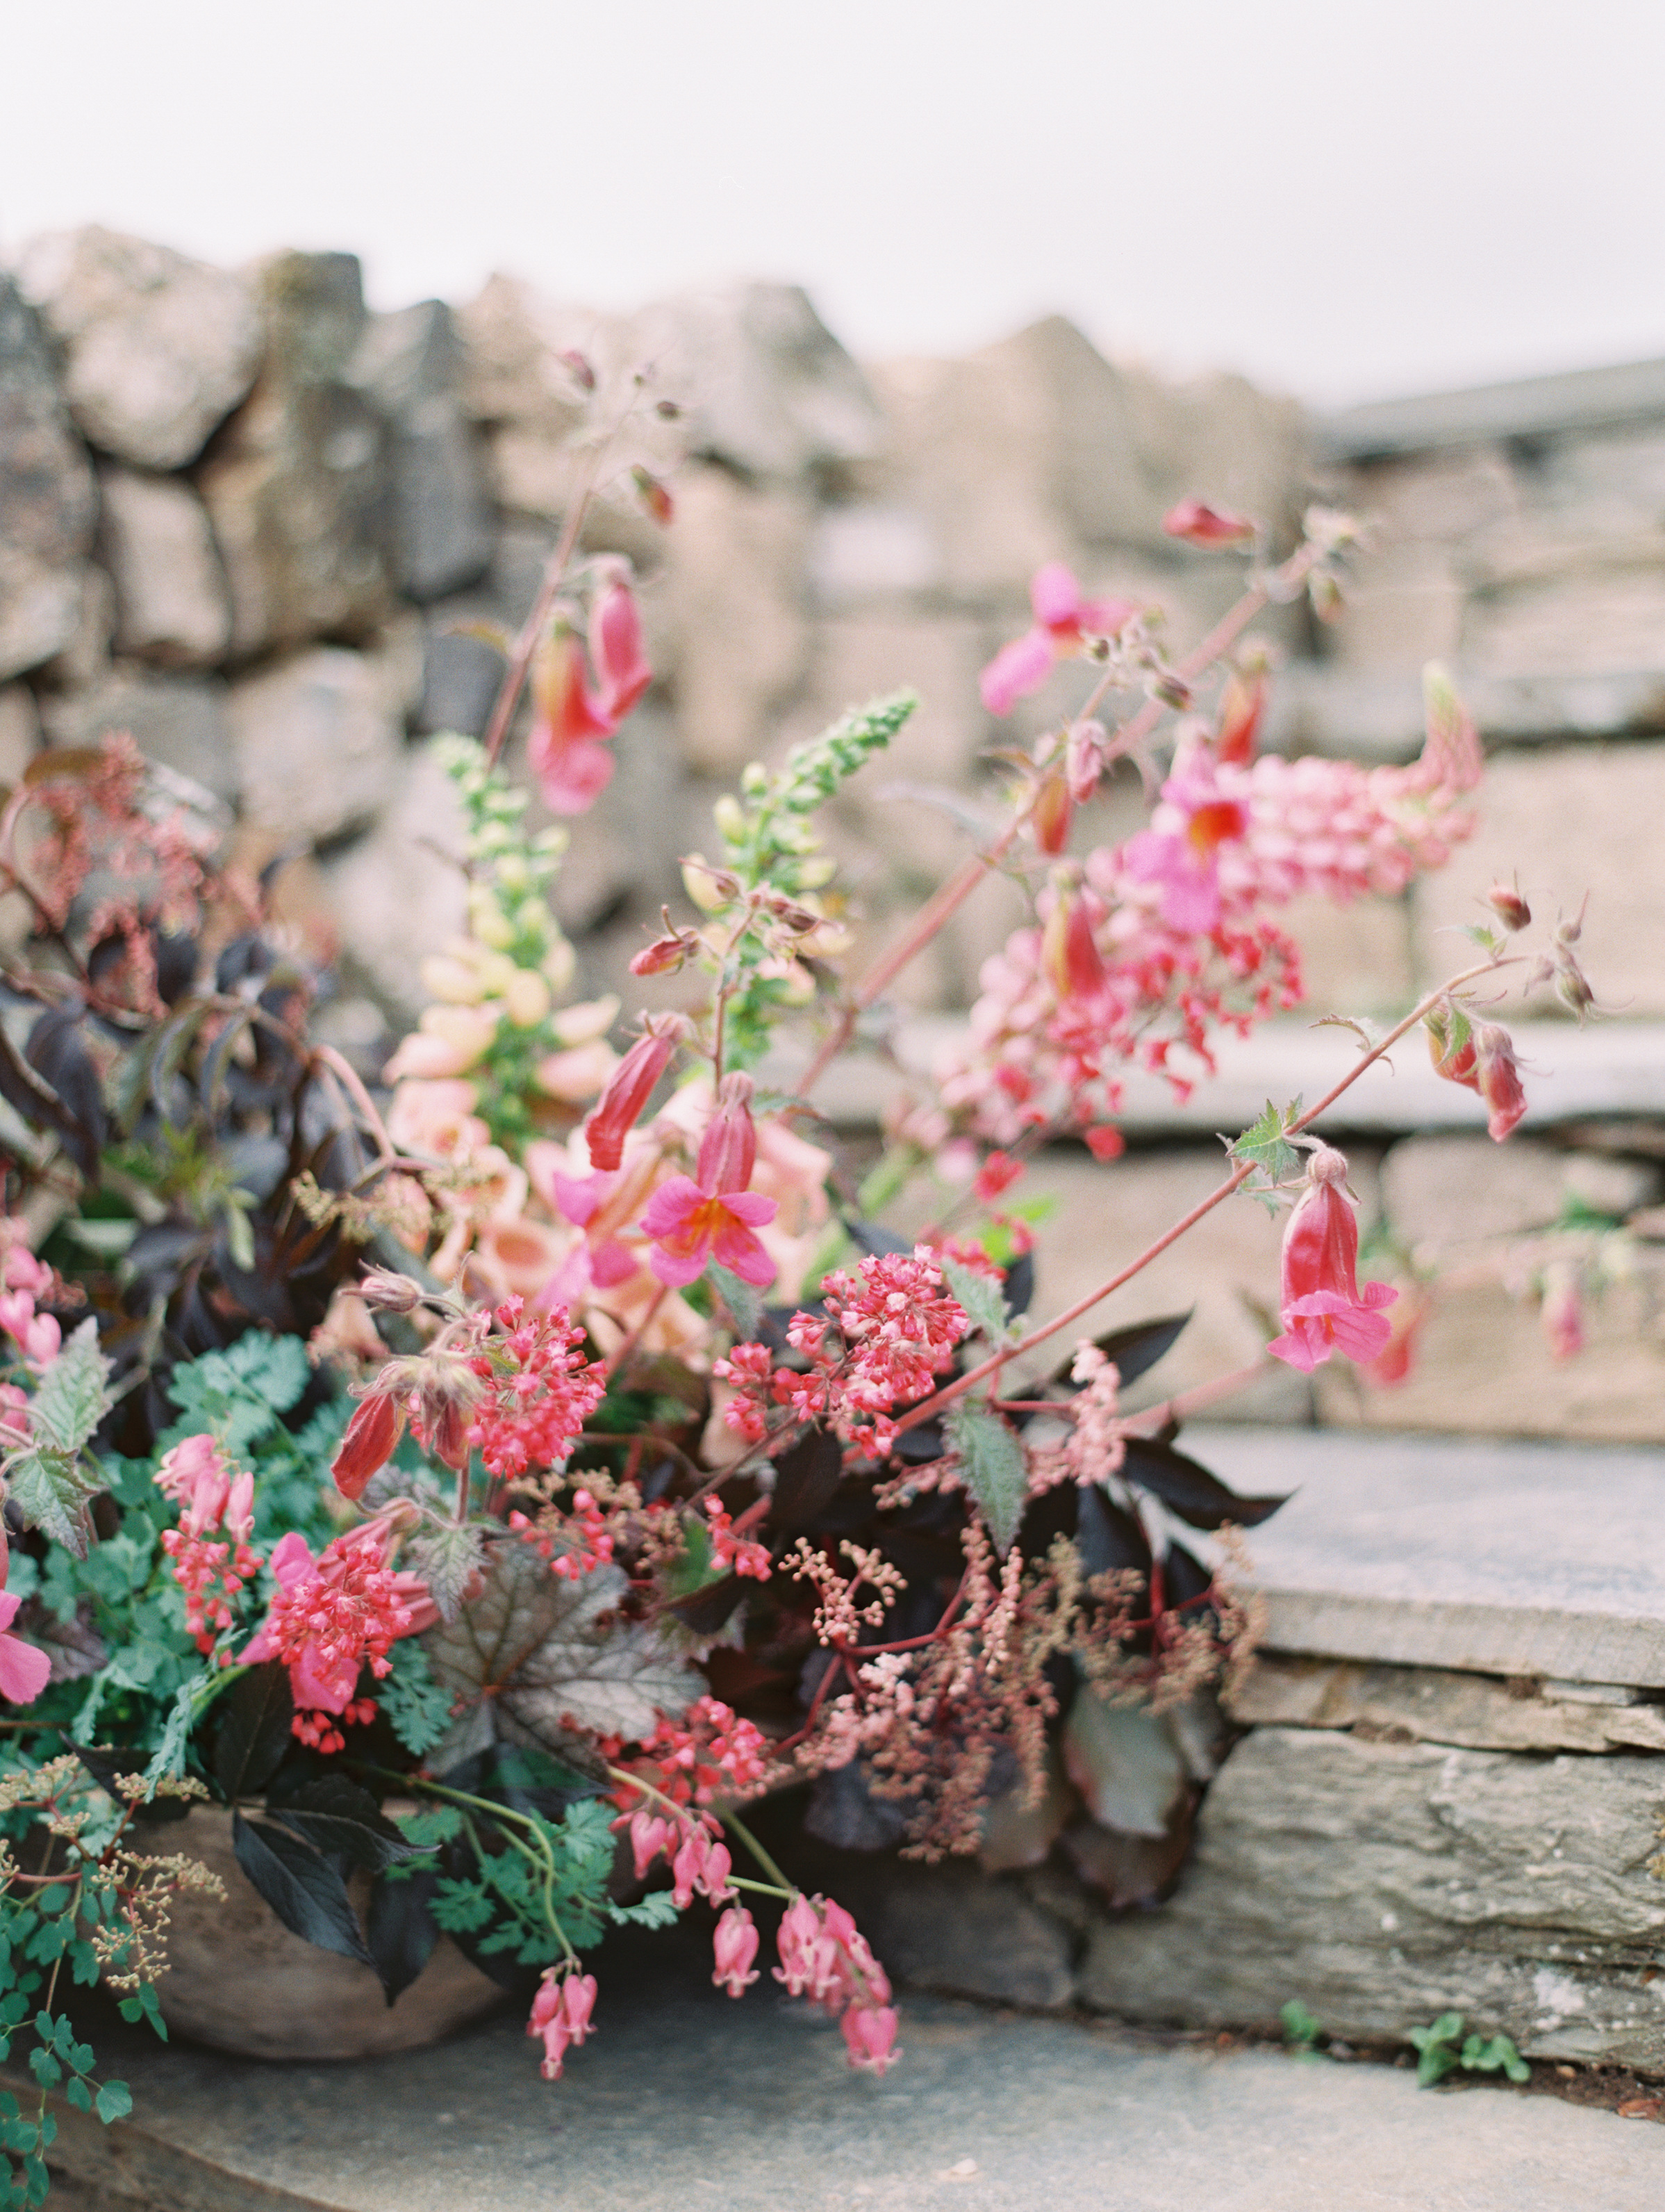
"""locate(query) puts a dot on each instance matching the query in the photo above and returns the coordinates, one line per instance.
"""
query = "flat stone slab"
(1611, 1068)
(687, 2099)
(1508, 1558)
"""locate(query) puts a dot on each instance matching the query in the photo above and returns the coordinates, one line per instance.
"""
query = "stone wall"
(252, 522)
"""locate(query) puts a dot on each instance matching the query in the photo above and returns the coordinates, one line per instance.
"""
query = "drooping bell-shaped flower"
(630, 1087)
(621, 666)
(1498, 1079)
(1322, 1308)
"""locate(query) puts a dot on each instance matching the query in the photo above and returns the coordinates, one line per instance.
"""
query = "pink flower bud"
(728, 1150)
(689, 1864)
(713, 1874)
(1052, 813)
(577, 365)
(734, 1946)
(1070, 958)
(1511, 908)
(240, 1507)
(1451, 1046)
(653, 496)
(1206, 525)
(578, 1995)
(629, 1088)
(367, 1442)
(615, 650)
(1500, 1079)
(1562, 1313)
(1241, 705)
(649, 1835)
(390, 1293)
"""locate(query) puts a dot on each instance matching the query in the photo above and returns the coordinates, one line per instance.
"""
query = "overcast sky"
(1343, 197)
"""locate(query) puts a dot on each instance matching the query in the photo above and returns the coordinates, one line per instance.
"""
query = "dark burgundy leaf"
(867, 1236)
(1189, 1489)
(56, 1051)
(705, 1611)
(401, 1929)
(104, 1765)
(336, 1816)
(303, 1889)
(1184, 1577)
(805, 1476)
(1019, 1289)
(1107, 1536)
(1135, 1348)
(254, 1729)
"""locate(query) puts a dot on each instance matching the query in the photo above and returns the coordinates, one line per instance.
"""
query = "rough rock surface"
(318, 739)
(295, 484)
(48, 501)
(157, 349)
(736, 558)
(1381, 1884)
(1430, 1705)
(154, 539)
(411, 365)
(402, 882)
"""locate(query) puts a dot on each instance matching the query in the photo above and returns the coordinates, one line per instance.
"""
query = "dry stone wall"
(250, 521)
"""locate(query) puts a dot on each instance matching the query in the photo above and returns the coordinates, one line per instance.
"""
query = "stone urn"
(239, 1981)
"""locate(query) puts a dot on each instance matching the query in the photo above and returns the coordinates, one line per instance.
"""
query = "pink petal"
(672, 1205)
(1302, 1348)
(612, 1262)
(1054, 595)
(25, 1670)
(1104, 618)
(573, 777)
(750, 1206)
(676, 1269)
(1016, 669)
(739, 1251)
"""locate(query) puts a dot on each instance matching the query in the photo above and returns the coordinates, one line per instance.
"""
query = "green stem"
(737, 1826)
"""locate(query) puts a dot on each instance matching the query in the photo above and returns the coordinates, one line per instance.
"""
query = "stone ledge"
(1525, 407)
(1536, 1559)
(1380, 717)
(1612, 1068)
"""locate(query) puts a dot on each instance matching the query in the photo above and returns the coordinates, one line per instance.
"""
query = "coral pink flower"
(1322, 1309)
(1562, 1313)
(561, 2016)
(734, 1946)
(649, 1834)
(572, 767)
(870, 2034)
(334, 1613)
(1070, 958)
(630, 1087)
(1498, 1080)
(367, 1442)
(1206, 525)
(1063, 620)
(1242, 703)
(713, 1213)
(616, 649)
(195, 1476)
(25, 1669)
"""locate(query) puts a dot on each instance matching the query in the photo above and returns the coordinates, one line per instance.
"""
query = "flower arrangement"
(493, 1484)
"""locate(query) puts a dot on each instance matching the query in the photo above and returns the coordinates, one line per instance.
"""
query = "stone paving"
(685, 2099)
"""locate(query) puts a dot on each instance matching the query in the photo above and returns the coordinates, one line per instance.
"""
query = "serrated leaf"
(336, 1816)
(745, 1308)
(984, 1304)
(51, 1489)
(996, 1470)
(543, 1652)
(1265, 1146)
(303, 1890)
(73, 1397)
(447, 1560)
(1346, 1022)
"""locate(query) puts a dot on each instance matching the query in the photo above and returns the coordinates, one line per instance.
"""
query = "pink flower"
(1206, 525)
(1063, 620)
(561, 2016)
(1181, 849)
(1322, 1309)
(649, 1835)
(1070, 958)
(195, 1476)
(25, 1669)
(1562, 1313)
(629, 1088)
(367, 1442)
(870, 2033)
(335, 1613)
(616, 649)
(734, 1946)
(713, 1214)
(1498, 1080)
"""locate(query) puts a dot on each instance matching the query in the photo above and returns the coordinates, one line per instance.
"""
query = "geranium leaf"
(984, 1304)
(51, 1489)
(1264, 1146)
(996, 1472)
(73, 1397)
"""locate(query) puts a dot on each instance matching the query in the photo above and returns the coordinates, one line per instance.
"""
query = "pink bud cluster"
(561, 2016)
(333, 1615)
(26, 1278)
(532, 1415)
(739, 1554)
(824, 1957)
(709, 1753)
(887, 1331)
(195, 1476)
(584, 1534)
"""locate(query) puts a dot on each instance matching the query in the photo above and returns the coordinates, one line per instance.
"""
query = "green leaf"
(1435, 2063)
(996, 1472)
(417, 1709)
(1264, 1147)
(985, 1307)
(1489, 2054)
(51, 1489)
(78, 2094)
(74, 1396)
(745, 1306)
(115, 2101)
(1299, 2025)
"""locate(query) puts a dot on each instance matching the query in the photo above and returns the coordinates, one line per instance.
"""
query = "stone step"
(1531, 1559)
(687, 2099)
(1609, 1069)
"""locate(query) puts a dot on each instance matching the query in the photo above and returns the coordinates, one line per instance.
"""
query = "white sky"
(1346, 198)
